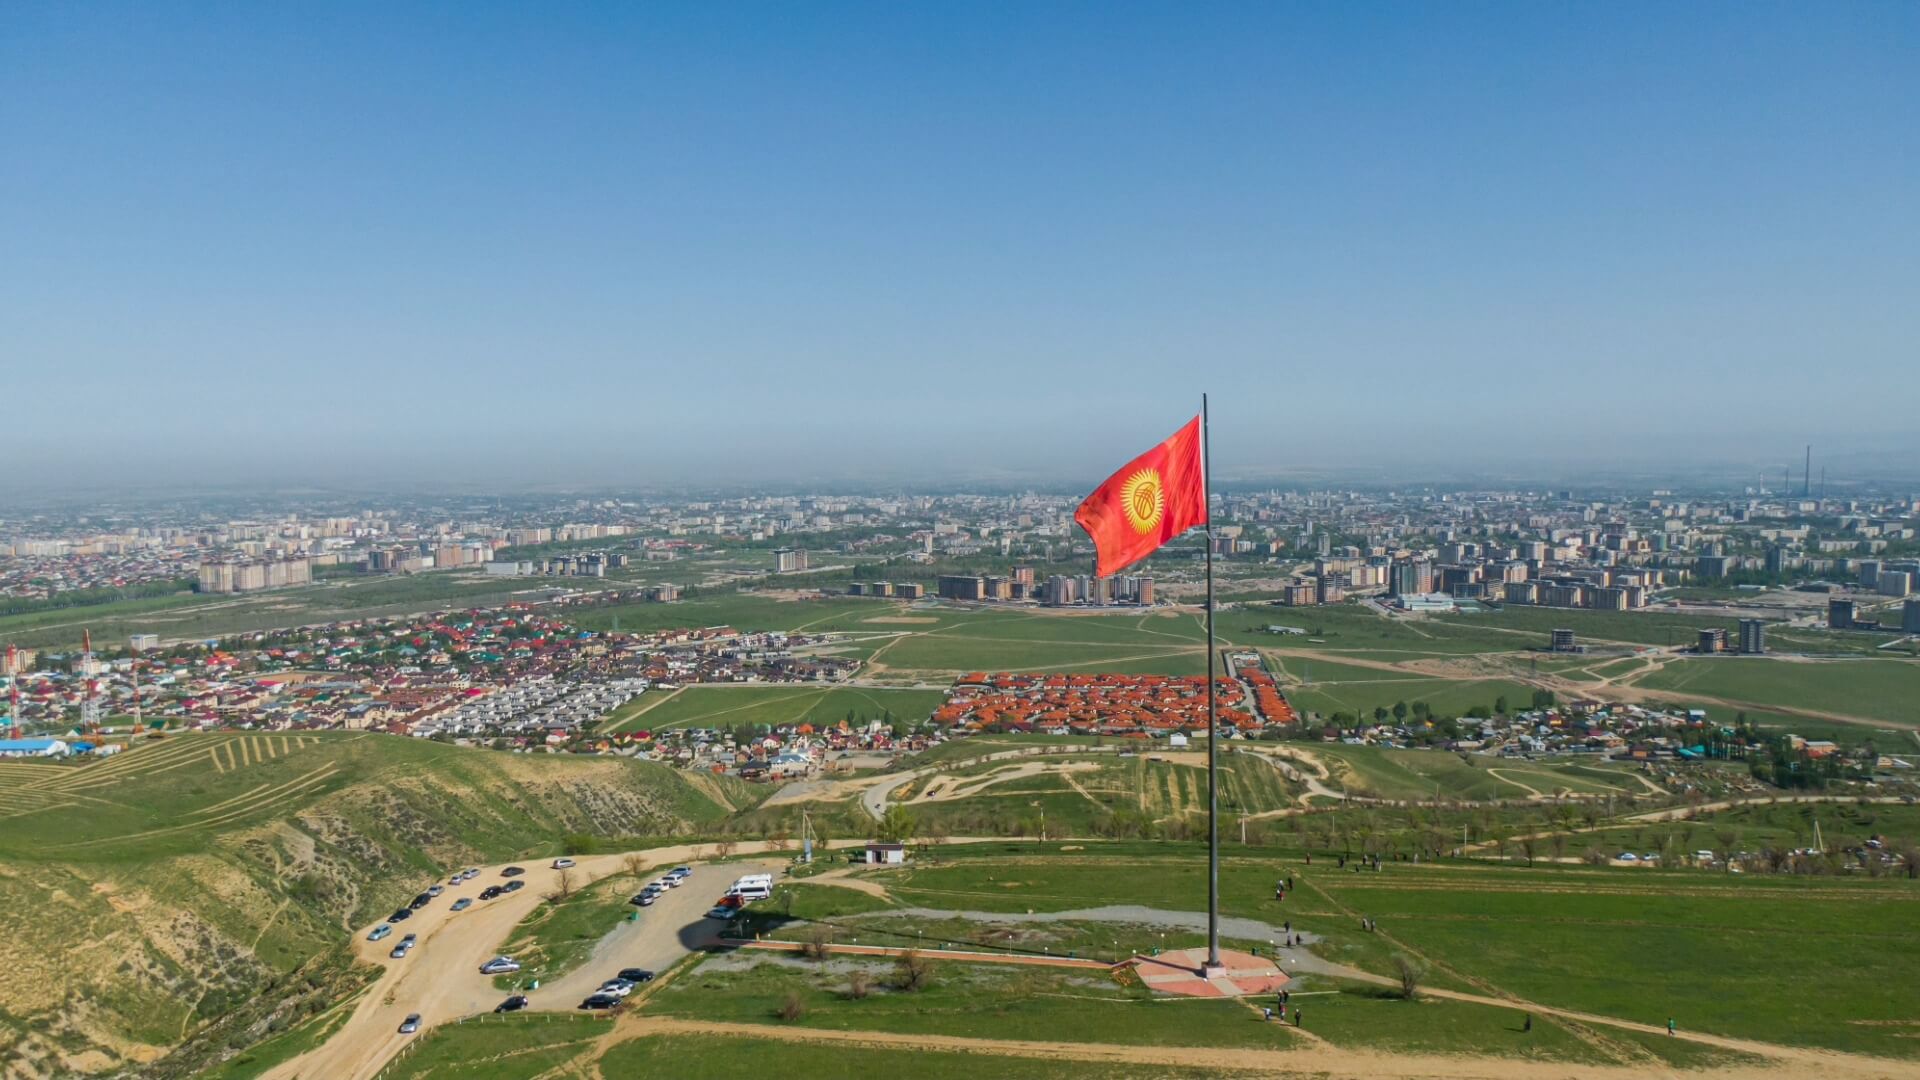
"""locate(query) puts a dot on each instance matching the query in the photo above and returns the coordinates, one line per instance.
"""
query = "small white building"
(47, 748)
(890, 854)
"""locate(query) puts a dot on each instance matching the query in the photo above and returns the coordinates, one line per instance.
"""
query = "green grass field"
(730, 705)
(1882, 690)
(1420, 774)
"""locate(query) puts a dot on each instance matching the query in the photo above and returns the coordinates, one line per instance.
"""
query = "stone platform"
(1180, 972)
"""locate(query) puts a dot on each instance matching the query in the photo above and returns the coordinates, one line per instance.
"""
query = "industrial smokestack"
(1806, 478)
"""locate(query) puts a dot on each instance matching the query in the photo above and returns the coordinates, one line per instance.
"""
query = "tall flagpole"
(1213, 723)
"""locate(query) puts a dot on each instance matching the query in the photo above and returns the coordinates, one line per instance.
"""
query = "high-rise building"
(1839, 614)
(1712, 641)
(960, 587)
(1058, 591)
(788, 560)
(1895, 583)
(1753, 637)
(1910, 616)
(1563, 641)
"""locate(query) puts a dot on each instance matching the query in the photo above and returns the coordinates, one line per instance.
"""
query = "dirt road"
(442, 980)
(1288, 1058)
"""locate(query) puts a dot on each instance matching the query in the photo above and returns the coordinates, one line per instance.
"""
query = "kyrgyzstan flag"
(1152, 499)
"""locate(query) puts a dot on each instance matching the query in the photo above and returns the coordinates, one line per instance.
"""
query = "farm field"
(731, 705)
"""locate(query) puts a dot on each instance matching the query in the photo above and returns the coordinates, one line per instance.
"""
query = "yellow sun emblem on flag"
(1143, 500)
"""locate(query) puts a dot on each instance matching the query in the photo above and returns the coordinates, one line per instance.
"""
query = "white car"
(499, 965)
(616, 987)
(562, 864)
(1628, 856)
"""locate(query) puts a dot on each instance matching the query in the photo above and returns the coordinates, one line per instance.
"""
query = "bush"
(858, 985)
(793, 1009)
(579, 844)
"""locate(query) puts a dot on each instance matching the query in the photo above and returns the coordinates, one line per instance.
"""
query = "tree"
(1399, 710)
(819, 940)
(897, 825)
(1410, 972)
(1380, 714)
(1500, 705)
(563, 885)
(913, 972)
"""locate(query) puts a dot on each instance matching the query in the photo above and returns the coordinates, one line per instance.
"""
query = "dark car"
(516, 886)
(513, 871)
(638, 975)
(600, 1001)
(512, 1004)
(490, 892)
(400, 915)
(420, 901)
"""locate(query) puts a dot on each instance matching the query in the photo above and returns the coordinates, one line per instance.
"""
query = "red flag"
(1152, 499)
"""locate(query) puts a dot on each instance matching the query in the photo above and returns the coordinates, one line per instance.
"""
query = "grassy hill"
(195, 894)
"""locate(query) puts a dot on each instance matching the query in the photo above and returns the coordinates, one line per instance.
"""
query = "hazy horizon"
(664, 246)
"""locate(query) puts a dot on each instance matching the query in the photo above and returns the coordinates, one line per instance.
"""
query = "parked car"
(722, 913)
(600, 1001)
(499, 965)
(616, 987)
(512, 1004)
(490, 892)
(646, 899)
(562, 864)
(436, 890)
(380, 931)
(411, 1024)
(401, 915)
(513, 871)
(420, 901)
(636, 975)
(515, 886)
(1628, 856)
(462, 904)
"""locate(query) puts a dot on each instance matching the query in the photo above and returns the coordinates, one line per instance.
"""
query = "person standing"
(1669, 1026)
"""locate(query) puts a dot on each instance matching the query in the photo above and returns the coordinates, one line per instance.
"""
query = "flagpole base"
(1212, 970)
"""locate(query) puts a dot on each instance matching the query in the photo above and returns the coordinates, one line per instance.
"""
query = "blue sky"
(652, 243)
